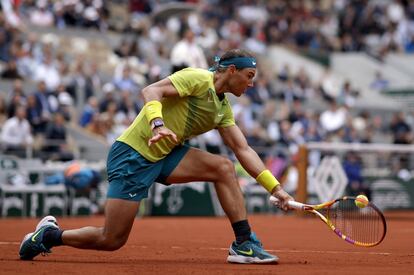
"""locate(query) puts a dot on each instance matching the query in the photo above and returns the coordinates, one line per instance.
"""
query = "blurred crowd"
(272, 113)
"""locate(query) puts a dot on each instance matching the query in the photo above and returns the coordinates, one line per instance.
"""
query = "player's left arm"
(234, 138)
(251, 162)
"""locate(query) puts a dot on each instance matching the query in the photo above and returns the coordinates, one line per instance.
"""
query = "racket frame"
(326, 205)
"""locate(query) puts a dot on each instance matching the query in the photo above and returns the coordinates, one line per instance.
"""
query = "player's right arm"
(158, 90)
(152, 95)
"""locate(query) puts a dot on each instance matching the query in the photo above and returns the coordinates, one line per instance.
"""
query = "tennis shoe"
(32, 244)
(250, 252)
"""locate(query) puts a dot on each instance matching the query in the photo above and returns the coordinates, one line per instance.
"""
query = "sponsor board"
(392, 193)
(190, 199)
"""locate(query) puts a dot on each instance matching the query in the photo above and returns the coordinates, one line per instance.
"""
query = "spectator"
(17, 89)
(353, 170)
(409, 45)
(379, 130)
(41, 16)
(48, 73)
(66, 107)
(187, 53)
(109, 96)
(92, 80)
(400, 129)
(42, 101)
(347, 96)
(125, 48)
(91, 17)
(90, 110)
(11, 72)
(56, 143)
(334, 118)
(379, 83)
(269, 123)
(16, 134)
(76, 80)
(284, 137)
(62, 96)
(4, 41)
(259, 93)
(16, 97)
(290, 92)
(297, 112)
(128, 109)
(97, 126)
(3, 109)
(126, 82)
(34, 115)
(244, 115)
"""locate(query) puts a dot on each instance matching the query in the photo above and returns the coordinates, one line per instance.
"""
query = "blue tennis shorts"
(130, 175)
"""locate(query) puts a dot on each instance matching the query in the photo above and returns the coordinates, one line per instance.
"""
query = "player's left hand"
(283, 198)
(162, 132)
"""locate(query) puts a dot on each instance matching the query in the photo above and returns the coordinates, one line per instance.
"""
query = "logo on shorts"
(132, 195)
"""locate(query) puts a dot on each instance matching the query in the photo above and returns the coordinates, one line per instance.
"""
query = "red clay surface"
(199, 246)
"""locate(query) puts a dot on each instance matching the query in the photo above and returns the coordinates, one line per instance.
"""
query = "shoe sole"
(238, 259)
(25, 239)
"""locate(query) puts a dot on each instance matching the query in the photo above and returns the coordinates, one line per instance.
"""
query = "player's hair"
(235, 53)
(231, 54)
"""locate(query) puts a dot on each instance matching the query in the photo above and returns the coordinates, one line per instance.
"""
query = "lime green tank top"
(195, 111)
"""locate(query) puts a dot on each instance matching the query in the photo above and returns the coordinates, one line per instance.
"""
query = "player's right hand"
(283, 198)
(160, 133)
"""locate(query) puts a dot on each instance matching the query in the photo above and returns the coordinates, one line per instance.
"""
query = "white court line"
(270, 250)
(332, 252)
(9, 243)
(312, 251)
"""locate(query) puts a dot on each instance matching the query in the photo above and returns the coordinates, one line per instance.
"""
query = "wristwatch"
(156, 122)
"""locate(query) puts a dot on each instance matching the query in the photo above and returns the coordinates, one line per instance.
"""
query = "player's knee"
(225, 169)
(112, 244)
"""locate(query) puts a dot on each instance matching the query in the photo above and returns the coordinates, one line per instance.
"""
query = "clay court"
(198, 245)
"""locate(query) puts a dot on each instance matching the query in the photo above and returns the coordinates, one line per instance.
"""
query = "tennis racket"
(358, 226)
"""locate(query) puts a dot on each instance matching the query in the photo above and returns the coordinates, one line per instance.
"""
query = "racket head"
(358, 226)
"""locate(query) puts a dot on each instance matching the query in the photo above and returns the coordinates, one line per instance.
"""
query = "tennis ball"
(361, 201)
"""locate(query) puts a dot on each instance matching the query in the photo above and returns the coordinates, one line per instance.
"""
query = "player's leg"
(119, 218)
(198, 165)
(130, 176)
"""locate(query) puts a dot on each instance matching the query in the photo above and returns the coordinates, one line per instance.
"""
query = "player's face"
(241, 80)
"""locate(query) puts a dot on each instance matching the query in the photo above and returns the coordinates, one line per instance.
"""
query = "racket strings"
(362, 225)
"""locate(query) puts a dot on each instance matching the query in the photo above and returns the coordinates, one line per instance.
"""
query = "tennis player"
(153, 149)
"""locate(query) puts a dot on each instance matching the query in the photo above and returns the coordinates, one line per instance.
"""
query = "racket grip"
(293, 204)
